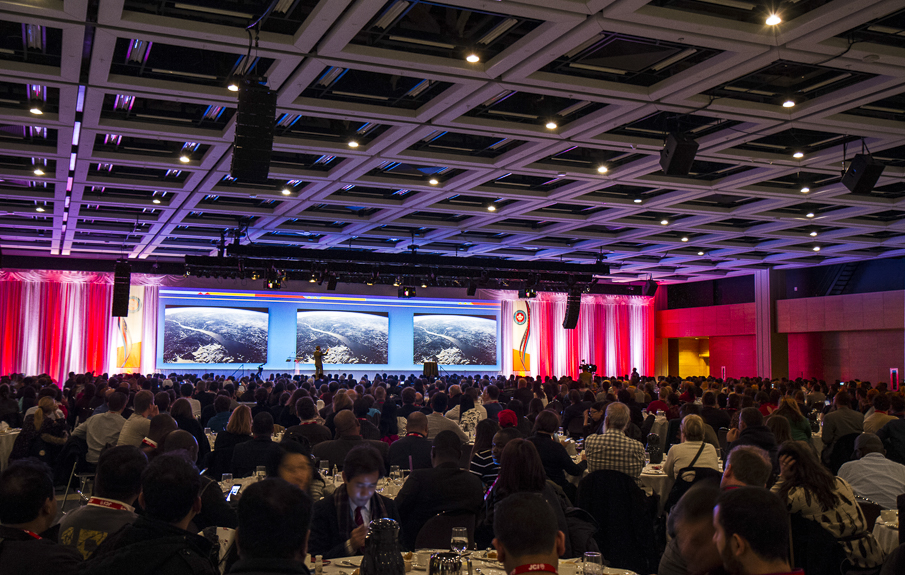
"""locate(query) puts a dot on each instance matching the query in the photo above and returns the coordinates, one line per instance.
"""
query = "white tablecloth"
(566, 567)
(887, 537)
(6, 447)
(655, 482)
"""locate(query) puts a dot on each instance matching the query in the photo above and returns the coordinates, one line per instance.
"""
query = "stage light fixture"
(637, 200)
(155, 201)
(527, 293)
(285, 191)
(424, 283)
(184, 158)
(805, 189)
(472, 288)
(433, 181)
(701, 252)
(684, 238)
(773, 20)
(788, 103)
(312, 279)
(809, 215)
(798, 155)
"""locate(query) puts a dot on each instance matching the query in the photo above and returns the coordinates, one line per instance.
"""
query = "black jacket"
(556, 459)
(715, 417)
(414, 446)
(314, 432)
(250, 454)
(151, 547)
(440, 489)
(759, 436)
(269, 566)
(335, 451)
(325, 538)
(22, 554)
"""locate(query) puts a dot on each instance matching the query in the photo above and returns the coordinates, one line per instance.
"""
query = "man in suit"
(309, 428)
(445, 487)
(340, 520)
(249, 455)
(348, 436)
(437, 420)
(414, 450)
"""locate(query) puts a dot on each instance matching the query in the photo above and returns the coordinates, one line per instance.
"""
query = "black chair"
(626, 518)
(437, 531)
(682, 485)
(840, 452)
(721, 433)
(814, 549)
(870, 510)
(900, 504)
(646, 427)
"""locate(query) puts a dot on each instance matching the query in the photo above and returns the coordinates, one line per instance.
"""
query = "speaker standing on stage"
(318, 361)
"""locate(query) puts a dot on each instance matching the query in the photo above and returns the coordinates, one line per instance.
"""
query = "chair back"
(437, 531)
(682, 485)
(900, 503)
(814, 549)
(870, 510)
(724, 443)
(841, 452)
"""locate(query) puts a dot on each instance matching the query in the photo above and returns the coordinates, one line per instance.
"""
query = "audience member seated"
(593, 418)
(158, 542)
(711, 414)
(348, 436)
(222, 412)
(556, 460)
(116, 487)
(248, 455)
(691, 549)
(752, 431)
(521, 471)
(752, 532)
(880, 417)
(309, 427)
(182, 413)
(42, 435)
(272, 536)
(692, 452)
(444, 488)
(807, 488)
(780, 428)
(871, 475)
(799, 424)
(482, 461)
(367, 428)
(893, 437)
(215, 511)
(138, 425)
(340, 520)
(574, 412)
(161, 425)
(526, 537)
(28, 507)
(437, 421)
(103, 429)
(613, 449)
(842, 421)
(294, 465)
(414, 450)
(747, 466)
(491, 403)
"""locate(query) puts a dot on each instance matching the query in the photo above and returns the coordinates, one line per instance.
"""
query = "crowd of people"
(543, 453)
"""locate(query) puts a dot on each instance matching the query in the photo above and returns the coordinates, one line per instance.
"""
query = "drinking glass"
(207, 431)
(226, 481)
(592, 563)
(260, 472)
(394, 473)
(459, 540)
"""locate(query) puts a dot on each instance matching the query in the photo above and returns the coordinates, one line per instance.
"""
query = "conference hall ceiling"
(127, 87)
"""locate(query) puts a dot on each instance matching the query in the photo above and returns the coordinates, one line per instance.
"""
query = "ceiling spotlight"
(813, 234)
(233, 86)
(809, 215)
(39, 171)
(36, 106)
(700, 253)
(805, 189)
(472, 58)
(491, 208)
(184, 158)
(684, 238)
(286, 191)
(155, 201)
(433, 181)
(39, 209)
(424, 283)
(601, 169)
(551, 125)
(664, 222)
(353, 143)
(773, 20)
(637, 200)
(816, 248)
(788, 103)
(798, 155)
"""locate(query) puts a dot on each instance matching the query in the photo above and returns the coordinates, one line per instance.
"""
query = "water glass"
(395, 475)
(260, 472)
(325, 469)
(226, 480)
(459, 540)
(592, 563)
(207, 431)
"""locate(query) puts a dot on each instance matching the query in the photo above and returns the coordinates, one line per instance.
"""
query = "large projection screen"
(203, 331)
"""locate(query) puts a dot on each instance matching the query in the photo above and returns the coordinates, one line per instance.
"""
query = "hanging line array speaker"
(253, 144)
(122, 278)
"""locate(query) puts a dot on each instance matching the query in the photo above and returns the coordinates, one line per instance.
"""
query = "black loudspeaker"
(649, 288)
(573, 308)
(253, 144)
(122, 277)
(862, 174)
(678, 155)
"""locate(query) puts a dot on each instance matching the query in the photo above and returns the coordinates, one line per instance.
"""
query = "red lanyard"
(414, 434)
(532, 567)
(149, 443)
(31, 534)
(107, 503)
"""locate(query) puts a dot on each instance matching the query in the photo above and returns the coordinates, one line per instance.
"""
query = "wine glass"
(226, 481)
(395, 474)
(325, 470)
(458, 542)
(592, 563)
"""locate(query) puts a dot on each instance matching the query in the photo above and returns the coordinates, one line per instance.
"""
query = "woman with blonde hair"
(42, 434)
(693, 451)
(801, 427)
(238, 430)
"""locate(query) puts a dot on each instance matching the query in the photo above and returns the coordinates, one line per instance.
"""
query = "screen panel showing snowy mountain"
(455, 339)
(214, 334)
(345, 337)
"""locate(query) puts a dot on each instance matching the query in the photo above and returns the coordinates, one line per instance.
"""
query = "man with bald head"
(871, 475)
(215, 511)
(348, 435)
(414, 450)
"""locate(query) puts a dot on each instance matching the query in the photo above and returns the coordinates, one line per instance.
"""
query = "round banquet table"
(886, 535)
(345, 566)
(6, 447)
(653, 478)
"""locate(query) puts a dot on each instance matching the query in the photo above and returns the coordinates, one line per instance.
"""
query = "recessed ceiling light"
(155, 201)
(813, 234)
(286, 191)
(816, 248)
(789, 103)
(39, 209)
(233, 87)
(798, 155)
(36, 107)
(637, 200)
(353, 144)
(700, 253)
(551, 125)
(773, 20)
(39, 172)
(433, 181)
(664, 222)
(560, 174)
(472, 58)
(805, 189)
(684, 238)
(601, 169)
(491, 208)
(809, 215)
(184, 159)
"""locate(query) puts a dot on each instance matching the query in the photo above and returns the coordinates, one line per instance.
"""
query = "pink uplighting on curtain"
(616, 333)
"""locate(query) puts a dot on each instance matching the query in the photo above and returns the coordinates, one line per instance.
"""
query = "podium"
(430, 369)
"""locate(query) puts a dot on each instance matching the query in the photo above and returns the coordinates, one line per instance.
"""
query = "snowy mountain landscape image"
(455, 339)
(345, 337)
(215, 335)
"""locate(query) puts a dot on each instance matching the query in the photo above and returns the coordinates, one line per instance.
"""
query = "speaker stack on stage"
(253, 144)
(122, 278)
